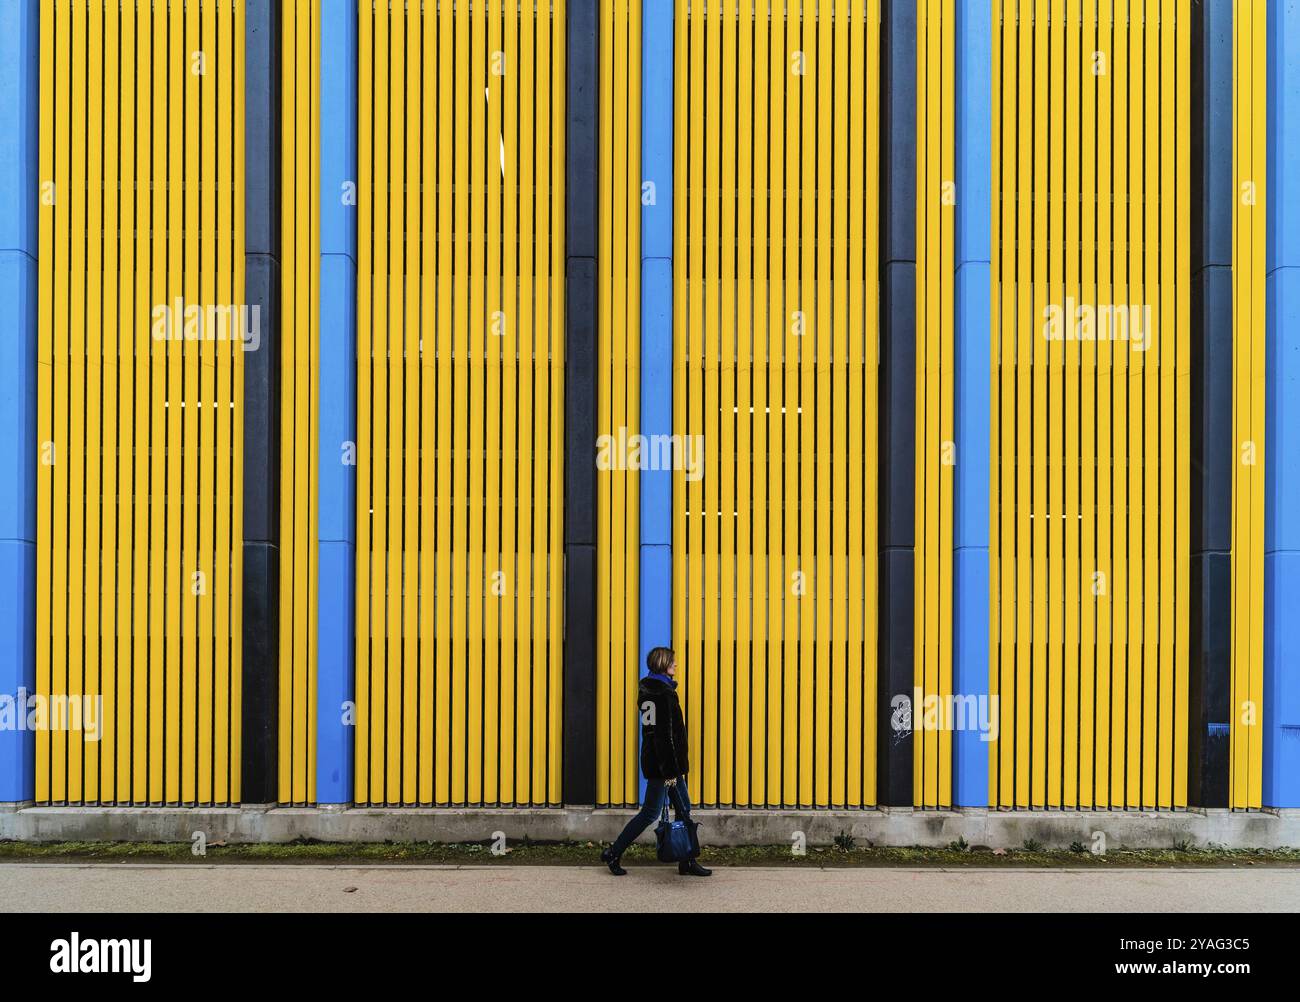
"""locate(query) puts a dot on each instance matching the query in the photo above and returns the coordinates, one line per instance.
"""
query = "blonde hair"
(659, 660)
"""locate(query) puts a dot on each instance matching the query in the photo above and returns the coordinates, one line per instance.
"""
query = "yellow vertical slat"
(224, 581)
(140, 572)
(684, 85)
(95, 377)
(492, 140)
(1125, 156)
(1070, 201)
(381, 326)
(308, 703)
(820, 353)
(48, 364)
(412, 316)
(853, 610)
(746, 463)
(1166, 342)
(710, 669)
(431, 460)
(1182, 393)
(395, 370)
(607, 705)
(445, 461)
(1087, 421)
(1137, 415)
(805, 348)
(289, 453)
(1004, 570)
(1148, 307)
(692, 337)
(1039, 360)
(632, 324)
(188, 571)
(1054, 515)
(1250, 100)
(946, 49)
(305, 333)
(779, 566)
(925, 400)
(112, 430)
(530, 712)
(723, 516)
(838, 514)
(367, 203)
(476, 583)
(509, 339)
(233, 715)
(175, 580)
(554, 496)
(545, 143)
(206, 412)
(1102, 584)
(609, 709)
(77, 390)
(124, 152)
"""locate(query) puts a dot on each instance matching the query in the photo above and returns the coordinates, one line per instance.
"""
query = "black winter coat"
(663, 730)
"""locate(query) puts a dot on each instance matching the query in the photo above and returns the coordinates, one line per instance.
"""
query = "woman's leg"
(680, 798)
(682, 805)
(654, 803)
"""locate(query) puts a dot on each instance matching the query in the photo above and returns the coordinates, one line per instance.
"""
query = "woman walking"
(663, 759)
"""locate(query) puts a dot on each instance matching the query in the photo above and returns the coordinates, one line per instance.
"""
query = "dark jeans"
(655, 791)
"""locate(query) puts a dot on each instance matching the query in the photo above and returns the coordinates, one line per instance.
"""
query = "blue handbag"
(677, 840)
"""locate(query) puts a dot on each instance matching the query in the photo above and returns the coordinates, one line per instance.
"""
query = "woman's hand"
(670, 782)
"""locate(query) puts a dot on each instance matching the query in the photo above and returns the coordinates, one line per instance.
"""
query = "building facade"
(384, 381)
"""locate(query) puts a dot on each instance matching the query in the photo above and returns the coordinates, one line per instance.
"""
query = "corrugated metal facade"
(465, 365)
(460, 404)
(140, 421)
(1091, 319)
(775, 335)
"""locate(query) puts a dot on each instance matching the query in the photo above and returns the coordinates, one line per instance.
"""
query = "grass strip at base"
(585, 853)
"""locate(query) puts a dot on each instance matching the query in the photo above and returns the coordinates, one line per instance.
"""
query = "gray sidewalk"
(78, 887)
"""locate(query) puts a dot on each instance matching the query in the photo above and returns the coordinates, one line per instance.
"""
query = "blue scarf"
(664, 678)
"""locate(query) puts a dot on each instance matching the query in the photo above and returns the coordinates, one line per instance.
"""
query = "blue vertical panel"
(19, 112)
(1282, 497)
(973, 376)
(656, 317)
(337, 399)
(656, 580)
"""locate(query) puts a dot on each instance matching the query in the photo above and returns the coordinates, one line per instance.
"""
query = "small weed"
(1078, 847)
(959, 845)
(845, 842)
(1032, 845)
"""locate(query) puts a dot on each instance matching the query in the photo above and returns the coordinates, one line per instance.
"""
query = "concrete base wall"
(884, 827)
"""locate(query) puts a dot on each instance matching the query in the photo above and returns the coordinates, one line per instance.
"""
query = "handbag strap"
(663, 814)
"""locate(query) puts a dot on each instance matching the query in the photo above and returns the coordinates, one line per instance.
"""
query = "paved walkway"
(309, 887)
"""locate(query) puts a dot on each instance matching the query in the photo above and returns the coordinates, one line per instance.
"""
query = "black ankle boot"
(692, 868)
(609, 859)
